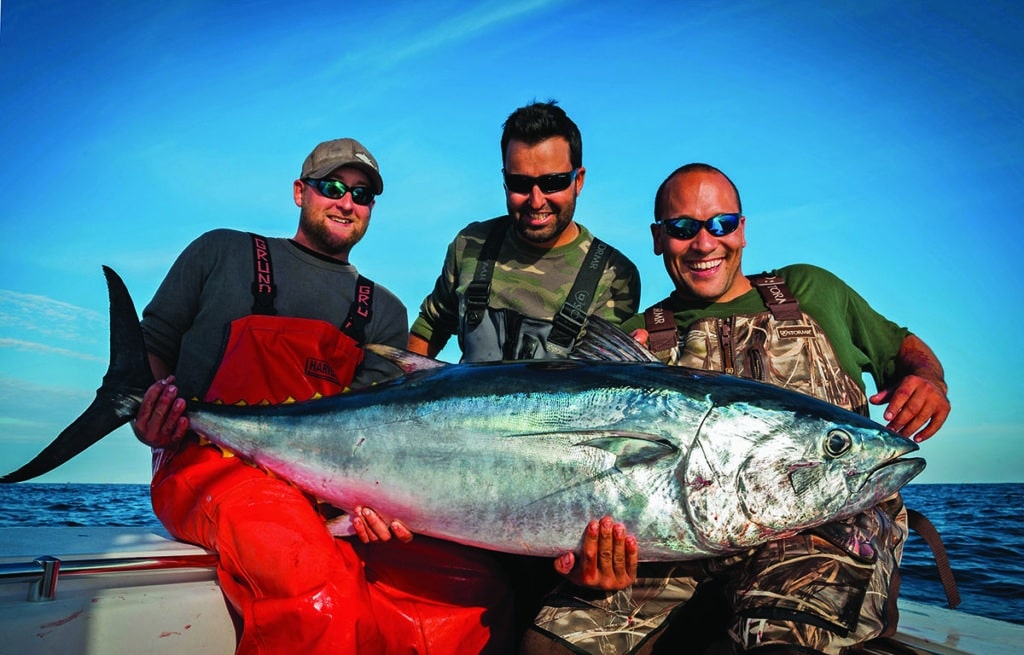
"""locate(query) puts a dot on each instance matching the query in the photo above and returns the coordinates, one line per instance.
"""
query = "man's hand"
(608, 557)
(641, 336)
(916, 405)
(160, 422)
(370, 527)
(918, 401)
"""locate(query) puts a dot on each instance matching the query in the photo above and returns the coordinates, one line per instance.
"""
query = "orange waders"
(296, 588)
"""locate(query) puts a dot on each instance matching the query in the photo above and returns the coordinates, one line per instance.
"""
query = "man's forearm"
(916, 358)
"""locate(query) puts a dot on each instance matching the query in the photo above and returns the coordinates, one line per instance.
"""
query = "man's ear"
(656, 235)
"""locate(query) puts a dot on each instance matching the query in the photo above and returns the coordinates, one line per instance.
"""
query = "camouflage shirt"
(534, 282)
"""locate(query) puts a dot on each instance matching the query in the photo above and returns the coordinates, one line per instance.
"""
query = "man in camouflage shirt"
(825, 590)
(520, 286)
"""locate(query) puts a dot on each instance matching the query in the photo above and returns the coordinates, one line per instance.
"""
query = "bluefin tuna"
(518, 456)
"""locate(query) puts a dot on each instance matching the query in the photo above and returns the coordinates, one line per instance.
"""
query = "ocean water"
(982, 526)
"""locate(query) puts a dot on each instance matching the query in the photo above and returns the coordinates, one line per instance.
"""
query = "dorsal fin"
(605, 341)
(600, 340)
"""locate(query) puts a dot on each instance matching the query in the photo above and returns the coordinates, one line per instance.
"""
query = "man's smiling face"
(704, 267)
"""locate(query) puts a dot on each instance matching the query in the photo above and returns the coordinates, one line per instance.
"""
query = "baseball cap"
(332, 155)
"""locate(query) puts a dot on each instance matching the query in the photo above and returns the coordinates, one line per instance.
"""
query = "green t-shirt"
(863, 339)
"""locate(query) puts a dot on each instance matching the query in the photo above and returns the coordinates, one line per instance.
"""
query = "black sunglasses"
(686, 227)
(336, 190)
(551, 183)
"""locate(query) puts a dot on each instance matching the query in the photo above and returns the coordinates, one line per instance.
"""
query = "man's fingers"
(401, 532)
(565, 563)
(605, 543)
(361, 525)
(632, 557)
(160, 421)
(145, 412)
(917, 409)
(619, 550)
(376, 524)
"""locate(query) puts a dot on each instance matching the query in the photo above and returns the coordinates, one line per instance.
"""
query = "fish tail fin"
(117, 399)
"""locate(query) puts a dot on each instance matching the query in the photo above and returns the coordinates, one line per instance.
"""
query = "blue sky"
(881, 140)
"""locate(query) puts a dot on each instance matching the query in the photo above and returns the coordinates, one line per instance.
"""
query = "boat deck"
(136, 591)
(118, 591)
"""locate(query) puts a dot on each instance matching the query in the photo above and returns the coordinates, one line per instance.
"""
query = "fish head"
(768, 469)
(825, 470)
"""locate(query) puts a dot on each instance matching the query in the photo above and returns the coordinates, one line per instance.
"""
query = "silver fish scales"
(518, 456)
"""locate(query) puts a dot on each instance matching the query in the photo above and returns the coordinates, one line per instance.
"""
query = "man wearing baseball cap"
(243, 318)
(329, 156)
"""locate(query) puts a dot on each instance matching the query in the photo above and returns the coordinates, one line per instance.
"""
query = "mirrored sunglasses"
(551, 183)
(336, 189)
(686, 227)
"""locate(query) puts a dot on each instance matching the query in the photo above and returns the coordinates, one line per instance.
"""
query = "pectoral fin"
(631, 448)
(409, 362)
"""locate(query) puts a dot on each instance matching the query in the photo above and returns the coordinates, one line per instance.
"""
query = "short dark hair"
(538, 121)
(695, 167)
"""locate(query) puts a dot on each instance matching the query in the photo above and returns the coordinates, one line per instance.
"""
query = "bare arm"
(158, 366)
(917, 402)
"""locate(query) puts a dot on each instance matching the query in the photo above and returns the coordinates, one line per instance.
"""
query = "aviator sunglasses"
(685, 227)
(336, 190)
(551, 183)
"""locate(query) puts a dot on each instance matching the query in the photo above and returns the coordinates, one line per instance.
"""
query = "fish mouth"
(889, 477)
(893, 473)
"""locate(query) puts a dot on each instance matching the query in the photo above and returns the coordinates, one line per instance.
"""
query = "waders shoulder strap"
(777, 297)
(263, 288)
(479, 290)
(922, 526)
(661, 328)
(568, 322)
(264, 291)
(361, 311)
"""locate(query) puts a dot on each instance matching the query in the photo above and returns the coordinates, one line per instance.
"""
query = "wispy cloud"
(425, 34)
(11, 387)
(31, 346)
(464, 26)
(50, 319)
(35, 413)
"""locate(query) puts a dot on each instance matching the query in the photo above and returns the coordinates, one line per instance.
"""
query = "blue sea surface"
(982, 526)
(115, 505)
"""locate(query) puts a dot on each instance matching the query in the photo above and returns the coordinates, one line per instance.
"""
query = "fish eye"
(837, 442)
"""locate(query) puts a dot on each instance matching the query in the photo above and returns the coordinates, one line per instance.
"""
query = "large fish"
(518, 456)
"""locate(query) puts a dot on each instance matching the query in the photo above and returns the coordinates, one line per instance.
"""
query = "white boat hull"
(157, 596)
(172, 610)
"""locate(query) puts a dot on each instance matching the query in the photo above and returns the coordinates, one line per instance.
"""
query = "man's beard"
(323, 240)
(563, 217)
